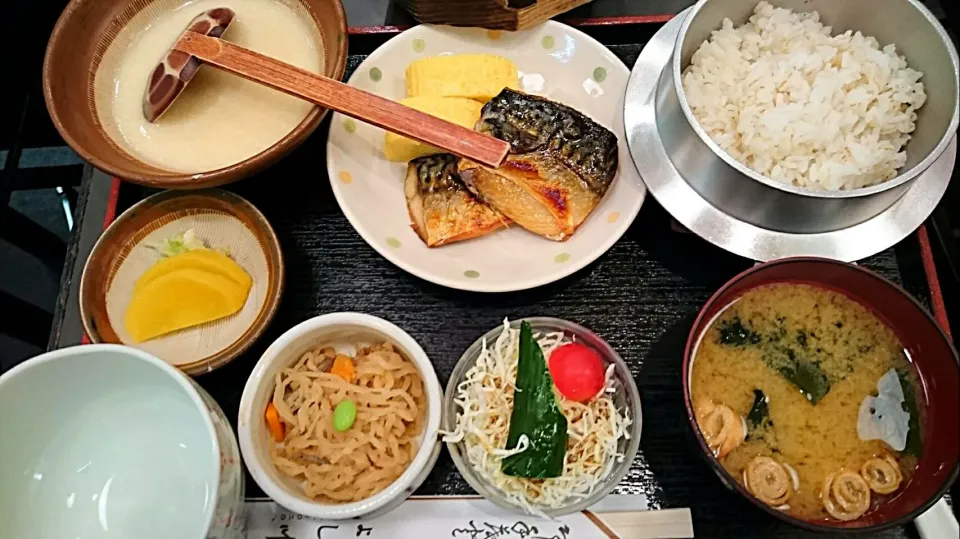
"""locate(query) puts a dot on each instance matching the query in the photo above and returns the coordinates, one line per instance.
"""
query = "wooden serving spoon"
(200, 43)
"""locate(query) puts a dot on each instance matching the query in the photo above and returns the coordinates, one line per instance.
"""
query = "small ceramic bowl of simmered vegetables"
(340, 417)
(542, 416)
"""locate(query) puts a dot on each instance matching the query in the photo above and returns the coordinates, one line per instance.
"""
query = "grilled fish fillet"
(442, 210)
(561, 163)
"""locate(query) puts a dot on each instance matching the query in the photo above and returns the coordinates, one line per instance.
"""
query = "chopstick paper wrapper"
(616, 516)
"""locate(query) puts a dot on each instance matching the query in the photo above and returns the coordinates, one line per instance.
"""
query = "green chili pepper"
(535, 415)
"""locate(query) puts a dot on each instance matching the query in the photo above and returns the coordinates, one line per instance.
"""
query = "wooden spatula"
(200, 43)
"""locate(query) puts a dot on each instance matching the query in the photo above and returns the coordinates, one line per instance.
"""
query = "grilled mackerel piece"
(561, 163)
(441, 208)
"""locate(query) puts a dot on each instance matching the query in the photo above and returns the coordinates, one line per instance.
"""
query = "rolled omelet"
(459, 110)
(473, 76)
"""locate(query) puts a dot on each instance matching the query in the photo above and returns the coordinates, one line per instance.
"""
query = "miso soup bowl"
(76, 48)
(933, 356)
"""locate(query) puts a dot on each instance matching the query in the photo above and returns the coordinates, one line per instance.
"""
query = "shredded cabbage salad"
(485, 400)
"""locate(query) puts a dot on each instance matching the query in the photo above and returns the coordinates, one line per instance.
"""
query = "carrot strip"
(343, 367)
(273, 422)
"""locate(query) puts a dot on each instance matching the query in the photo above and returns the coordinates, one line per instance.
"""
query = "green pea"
(344, 415)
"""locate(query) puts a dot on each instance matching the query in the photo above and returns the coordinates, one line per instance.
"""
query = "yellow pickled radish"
(202, 259)
(180, 299)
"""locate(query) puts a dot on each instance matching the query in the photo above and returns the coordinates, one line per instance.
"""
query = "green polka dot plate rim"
(553, 60)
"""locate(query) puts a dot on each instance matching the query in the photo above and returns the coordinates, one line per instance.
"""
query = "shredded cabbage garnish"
(184, 242)
(180, 243)
(485, 400)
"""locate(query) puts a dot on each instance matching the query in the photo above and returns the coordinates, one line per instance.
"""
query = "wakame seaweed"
(734, 332)
(759, 424)
(801, 372)
(535, 414)
(804, 374)
(759, 411)
(914, 443)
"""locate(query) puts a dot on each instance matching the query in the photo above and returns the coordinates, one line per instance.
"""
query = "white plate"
(555, 61)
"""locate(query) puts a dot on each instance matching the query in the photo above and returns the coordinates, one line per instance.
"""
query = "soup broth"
(795, 364)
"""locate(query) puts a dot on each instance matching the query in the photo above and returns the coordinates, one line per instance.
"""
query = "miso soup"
(809, 400)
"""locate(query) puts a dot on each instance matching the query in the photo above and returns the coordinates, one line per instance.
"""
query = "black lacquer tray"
(642, 297)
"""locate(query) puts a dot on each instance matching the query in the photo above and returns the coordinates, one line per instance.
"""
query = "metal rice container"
(775, 205)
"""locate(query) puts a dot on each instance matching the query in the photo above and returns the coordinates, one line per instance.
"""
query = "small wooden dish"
(125, 251)
(79, 44)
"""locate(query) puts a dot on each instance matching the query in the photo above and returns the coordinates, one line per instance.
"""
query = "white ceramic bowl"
(342, 331)
(105, 441)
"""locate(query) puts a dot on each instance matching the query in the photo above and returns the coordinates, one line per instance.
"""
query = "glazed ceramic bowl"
(626, 398)
(344, 332)
(775, 205)
(79, 42)
(931, 352)
(108, 441)
(127, 249)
